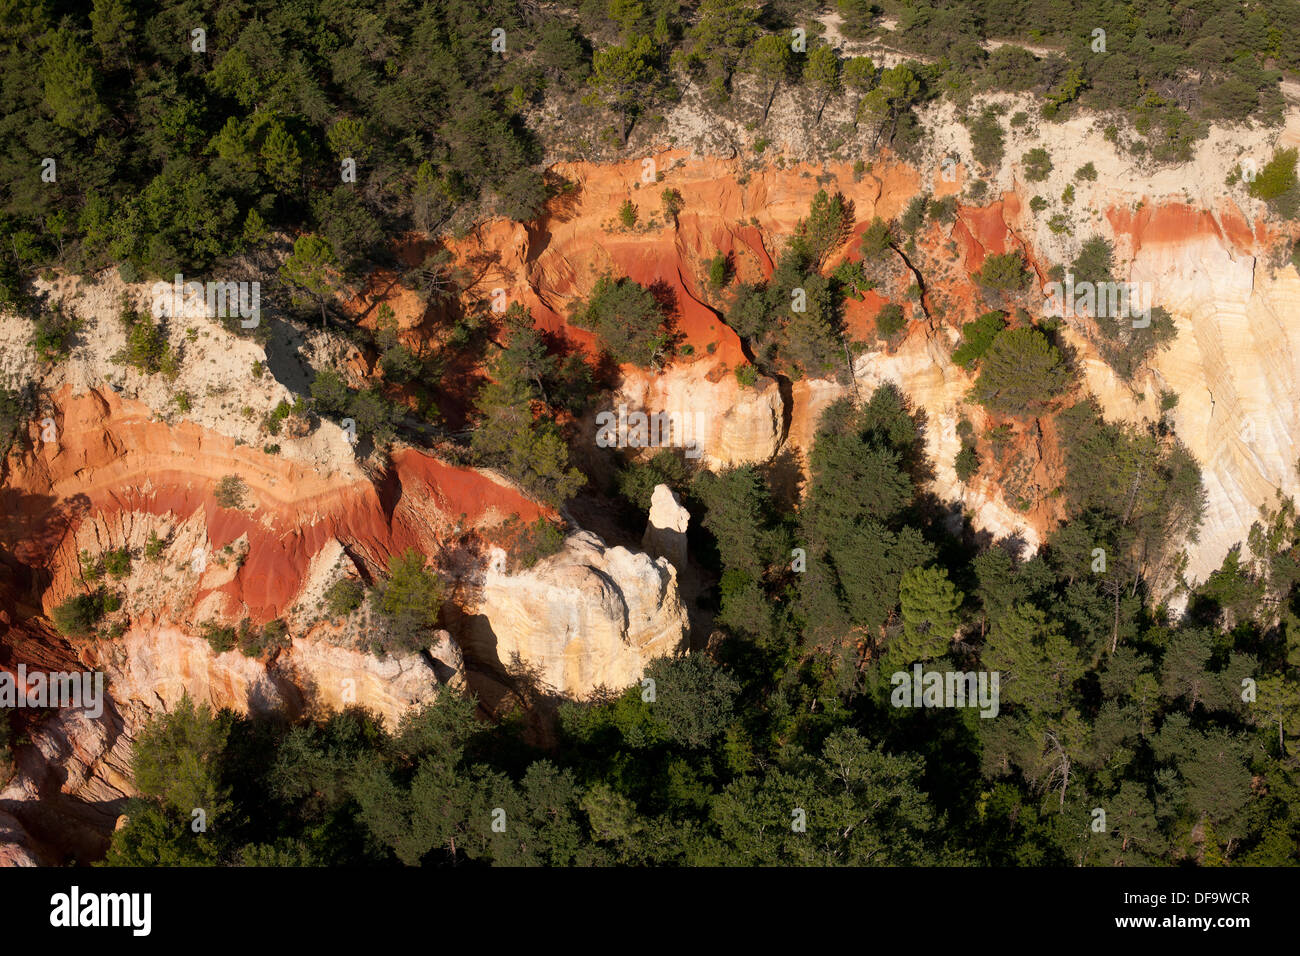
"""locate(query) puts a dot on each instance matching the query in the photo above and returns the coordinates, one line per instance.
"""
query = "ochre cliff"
(593, 615)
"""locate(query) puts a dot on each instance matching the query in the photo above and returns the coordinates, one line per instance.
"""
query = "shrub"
(1086, 172)
(1006, 272)
(828, 224)
(220, 638)
(92, 568)
(153, 548)
(914, 217)
(1038, 164)
(977, 336)
(230, 492)
(541, 539)
(407, 605)
(987, 139)
(343, 597)
(851, 279)
(1094, 261)
(1277, 177)
(746, 375)
(943, 210)
(254, 641)
(877, 239)
(78, 615)
(627, 214)
(1019, 373)
(967, 462)
(627, 318)
(147, 348)
(118, 563)
(53, 335)
(672, 203)
(719, 272)
(275, 635)
(329, 393)
(637, 481)
(890, 321)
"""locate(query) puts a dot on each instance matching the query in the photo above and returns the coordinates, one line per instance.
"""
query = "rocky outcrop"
(71, 784)
(110, 476)
(155, 666)
(110, 473)
(332, 677)
(726, 424)
(587, 617)
(18, 847)
(665, 530)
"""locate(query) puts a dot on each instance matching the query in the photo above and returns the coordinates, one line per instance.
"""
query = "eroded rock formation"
(665, 530)
(587, 617)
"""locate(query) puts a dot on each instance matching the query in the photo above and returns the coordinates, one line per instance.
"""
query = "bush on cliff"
(343, 597)
(406, 605)
(628, 319)
(78, 615)
(1020, 373)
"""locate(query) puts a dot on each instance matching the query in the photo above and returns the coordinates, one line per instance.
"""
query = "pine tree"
(1020, 373)
(771, 59)
(311, 272)
(619, 77)
(281, 160)
(929, 605)
(69, 82)
(821, 73)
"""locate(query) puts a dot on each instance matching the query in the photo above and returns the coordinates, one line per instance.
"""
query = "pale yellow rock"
(1235, 366)
(665, 531)
(729, 424)
(336, 677)
(160, 664)
(587, 617)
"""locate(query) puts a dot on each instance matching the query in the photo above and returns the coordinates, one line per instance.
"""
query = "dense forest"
(156, 138)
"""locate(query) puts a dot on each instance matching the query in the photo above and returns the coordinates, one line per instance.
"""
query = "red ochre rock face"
(112, 459)
(1174, 222)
